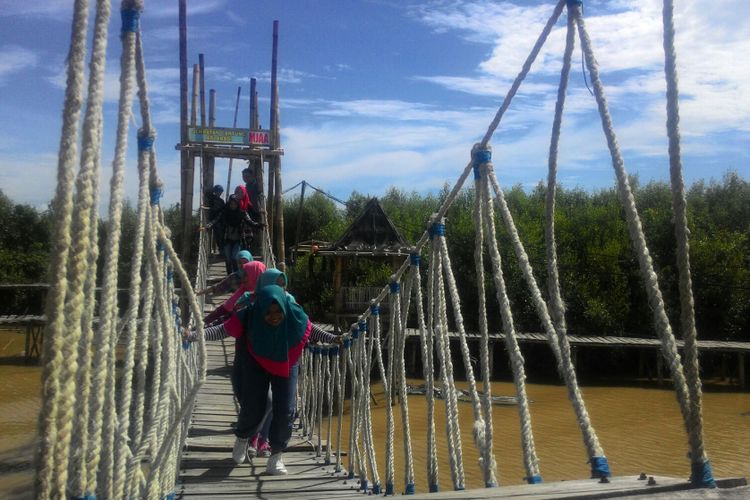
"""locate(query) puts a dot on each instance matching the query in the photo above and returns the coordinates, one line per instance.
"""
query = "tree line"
(599, 275)
(600, 280)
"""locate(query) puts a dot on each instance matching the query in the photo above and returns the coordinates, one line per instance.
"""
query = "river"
(639, 428)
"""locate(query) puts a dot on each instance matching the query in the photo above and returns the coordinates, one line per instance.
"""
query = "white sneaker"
(275, 465)
(239, 451)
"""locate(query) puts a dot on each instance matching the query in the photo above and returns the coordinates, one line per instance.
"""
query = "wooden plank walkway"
(207, 469)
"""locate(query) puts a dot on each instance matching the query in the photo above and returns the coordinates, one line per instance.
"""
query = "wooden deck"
(207, 469)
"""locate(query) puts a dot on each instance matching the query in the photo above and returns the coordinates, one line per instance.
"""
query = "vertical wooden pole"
(491, 363)
(186, 165)
(659, 368)
(641, 363)
(202, 74)
(741, 371)
(253, 105)
(194, 99)
(212, 108)
(234, 125)
(210, 160)
(257, 165)
(278, 212)
(298, 232)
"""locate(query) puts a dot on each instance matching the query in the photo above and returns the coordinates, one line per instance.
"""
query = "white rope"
(479, 425)
(440, 327)
(105, 339)
(531, 462)
(487, 457)
(83, 263)
(47, 480)
(400, 368)
(341, 366)
(387, 378)
(682, 233)
(655, 299)
(321, 383)
(428, 370)
(331, 378)
(350, 356)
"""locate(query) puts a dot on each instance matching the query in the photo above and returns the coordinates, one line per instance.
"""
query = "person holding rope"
(274, 330)
(251, 271)
(238, 230)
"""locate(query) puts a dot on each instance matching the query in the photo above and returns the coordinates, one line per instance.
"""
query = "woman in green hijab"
(272, 333)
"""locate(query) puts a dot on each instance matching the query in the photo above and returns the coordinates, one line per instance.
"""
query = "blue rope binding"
(410, 489)
(86, 496)
(130, 20)
(701, 475)
(599, 467)
(395, 287)
(376, 489)
(434, 488)
(532, 479)
(389, 489)
(436, 229)
(375, 309)
(416, 259)
(478, 158)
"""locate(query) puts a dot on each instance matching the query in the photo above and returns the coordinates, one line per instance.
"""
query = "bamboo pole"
(186, 163)
(202, 74)
(209, 160)
(234, 125)
(194, 100)
(278, 212)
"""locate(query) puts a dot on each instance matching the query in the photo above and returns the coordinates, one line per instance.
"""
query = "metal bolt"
(642, 477)
(651, 481)
(604, 480)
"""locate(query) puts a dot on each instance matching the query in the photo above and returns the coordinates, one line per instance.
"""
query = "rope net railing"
(368, 352)
(118, 389)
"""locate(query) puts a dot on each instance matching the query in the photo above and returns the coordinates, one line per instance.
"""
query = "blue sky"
(386, 93)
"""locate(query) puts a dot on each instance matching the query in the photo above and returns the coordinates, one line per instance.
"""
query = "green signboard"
(229, 136)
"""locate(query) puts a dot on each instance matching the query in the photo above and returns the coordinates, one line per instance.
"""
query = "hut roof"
(372, 232)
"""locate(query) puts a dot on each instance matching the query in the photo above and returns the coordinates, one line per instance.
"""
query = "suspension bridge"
(156, 423)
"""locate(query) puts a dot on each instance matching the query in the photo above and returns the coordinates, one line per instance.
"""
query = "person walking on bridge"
(274, 331)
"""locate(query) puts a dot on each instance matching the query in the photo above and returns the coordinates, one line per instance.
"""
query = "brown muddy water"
(639, 428)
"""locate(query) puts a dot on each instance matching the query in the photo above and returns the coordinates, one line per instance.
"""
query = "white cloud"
(15, 60)
(44, 8)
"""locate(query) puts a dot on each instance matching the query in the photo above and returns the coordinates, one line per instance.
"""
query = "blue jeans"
(252, 389)
(230, 250)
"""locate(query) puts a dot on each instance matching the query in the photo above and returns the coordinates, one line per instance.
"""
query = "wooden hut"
(372, 235)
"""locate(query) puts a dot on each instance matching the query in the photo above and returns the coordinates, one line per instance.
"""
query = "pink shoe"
(252, 446)
(264, 449)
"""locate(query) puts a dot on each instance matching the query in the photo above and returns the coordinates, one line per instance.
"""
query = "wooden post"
(186, 164)
(641, 363)
(298, 232)
(659, 367)
(278, 209)
(234, 125)
(414, 347)
(741, 371)
(491, 363)
(194, 100)
(337, 283)
(210, 160)
(202, 89)
(257, 165)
